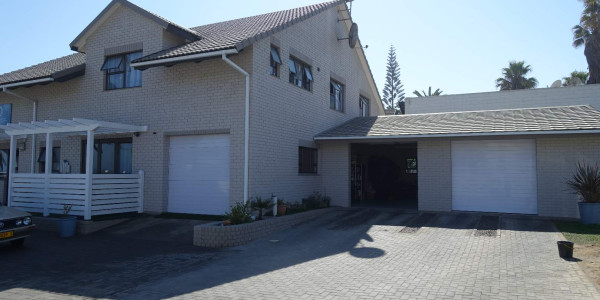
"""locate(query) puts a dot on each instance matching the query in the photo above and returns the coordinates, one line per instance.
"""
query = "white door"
(199, 174)
(494, 176)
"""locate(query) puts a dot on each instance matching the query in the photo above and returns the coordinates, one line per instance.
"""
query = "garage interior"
(384, 175)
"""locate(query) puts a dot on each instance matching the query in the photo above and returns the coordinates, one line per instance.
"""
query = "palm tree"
(587, 34)
(572, 79)
(423, 94)
(515, 77)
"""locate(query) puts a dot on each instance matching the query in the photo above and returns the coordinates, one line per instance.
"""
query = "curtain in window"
(133, 77)
(125, 158)
(3, 161)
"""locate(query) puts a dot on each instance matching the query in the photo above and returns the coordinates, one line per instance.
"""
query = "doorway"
(384, 175)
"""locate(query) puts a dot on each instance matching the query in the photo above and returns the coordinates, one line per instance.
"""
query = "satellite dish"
(577, 81)
(353, 35)
(556, 84)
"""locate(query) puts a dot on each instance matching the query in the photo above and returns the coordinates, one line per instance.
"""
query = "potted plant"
(281, 207)
(260, 205)
(586, 184)
(66, 224)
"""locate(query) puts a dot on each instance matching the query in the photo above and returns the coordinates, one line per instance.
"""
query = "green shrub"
(239, 214)
(316, 200)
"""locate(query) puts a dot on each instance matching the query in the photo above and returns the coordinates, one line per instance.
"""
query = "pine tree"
(393, 91)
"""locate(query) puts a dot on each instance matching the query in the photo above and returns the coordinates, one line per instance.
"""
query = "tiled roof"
(563, 118)
(240, 33)
(44, 70)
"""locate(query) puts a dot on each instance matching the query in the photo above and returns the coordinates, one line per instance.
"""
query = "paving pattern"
(350, 254)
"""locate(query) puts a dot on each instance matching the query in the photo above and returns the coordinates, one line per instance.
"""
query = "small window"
(364, 106)
(336, 96)
(307, 160)
(411, 166)
(275, 62)
(300, 74)
(119, 73)
(55, 160)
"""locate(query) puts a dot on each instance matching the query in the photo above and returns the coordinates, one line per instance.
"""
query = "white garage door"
(199, 174)
(494, 176)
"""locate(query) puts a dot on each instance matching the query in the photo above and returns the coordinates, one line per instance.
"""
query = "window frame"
(123, 68)
(274, 65)
(117, 154)
(306, 75)
(302, 168)
(364, 102)
(332, 102)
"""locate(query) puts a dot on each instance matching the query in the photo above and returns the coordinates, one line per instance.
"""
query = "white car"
(15, 225)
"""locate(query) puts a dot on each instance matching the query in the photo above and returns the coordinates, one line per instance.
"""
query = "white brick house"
(274, 104)
(192, 97)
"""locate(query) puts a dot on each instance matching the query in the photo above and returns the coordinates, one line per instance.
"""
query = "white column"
(89, 170)
(33, 148)
(141, 192)
(12, 166)
(48, 165)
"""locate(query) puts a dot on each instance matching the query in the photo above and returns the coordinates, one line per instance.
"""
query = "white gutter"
(420, 136)
(34, 119)
(22, 83)
(183, 58)
(246, 121)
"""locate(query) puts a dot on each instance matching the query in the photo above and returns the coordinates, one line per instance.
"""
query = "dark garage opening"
(384, 175)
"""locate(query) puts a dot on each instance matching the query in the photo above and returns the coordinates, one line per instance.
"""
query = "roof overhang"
(181, 59)
(78, 44)
(59, 76)
(75, 126)
(44, 80)
(453, 135)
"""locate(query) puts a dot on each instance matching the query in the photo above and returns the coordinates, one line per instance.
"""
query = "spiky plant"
(259, 204)
(437, 92)
(586, 183)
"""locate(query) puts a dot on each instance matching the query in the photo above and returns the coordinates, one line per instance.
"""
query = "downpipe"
(246, 121)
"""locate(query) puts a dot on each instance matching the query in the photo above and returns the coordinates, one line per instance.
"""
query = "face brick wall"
(186, 98)
(543, 97)
(285, 116)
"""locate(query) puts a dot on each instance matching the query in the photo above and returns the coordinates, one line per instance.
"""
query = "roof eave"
(181, 59)
(452, 135)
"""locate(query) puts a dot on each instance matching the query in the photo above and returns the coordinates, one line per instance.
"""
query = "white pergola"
(62, 127)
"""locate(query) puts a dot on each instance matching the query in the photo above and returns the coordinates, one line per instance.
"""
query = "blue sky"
(459, 46)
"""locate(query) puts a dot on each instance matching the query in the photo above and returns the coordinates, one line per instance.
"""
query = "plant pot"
(66, 226)
(565, 249)
(589, 212)
(281, 209)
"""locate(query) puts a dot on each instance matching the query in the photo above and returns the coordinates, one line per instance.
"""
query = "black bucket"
(565, 249)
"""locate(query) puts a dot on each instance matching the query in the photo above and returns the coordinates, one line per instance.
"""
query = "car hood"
(10, 213)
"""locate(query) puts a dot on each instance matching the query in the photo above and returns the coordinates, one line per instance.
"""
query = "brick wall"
(335, 171)
(285, 116)
(435, 175)
(557, 159)
(544, 97)
(188, 97)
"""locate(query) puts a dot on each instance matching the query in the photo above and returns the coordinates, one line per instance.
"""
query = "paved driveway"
(370, 254)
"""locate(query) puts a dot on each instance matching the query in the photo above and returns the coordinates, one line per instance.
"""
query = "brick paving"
(361, 255)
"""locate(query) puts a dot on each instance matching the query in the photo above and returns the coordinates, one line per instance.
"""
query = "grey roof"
(518, 121)
(240, 33)
(56, 68)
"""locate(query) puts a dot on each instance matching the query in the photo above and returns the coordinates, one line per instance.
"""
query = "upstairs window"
(336, 96)
(275, 62)
(300, 74)
(119, 73)
(307, 160)
(363, 106)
